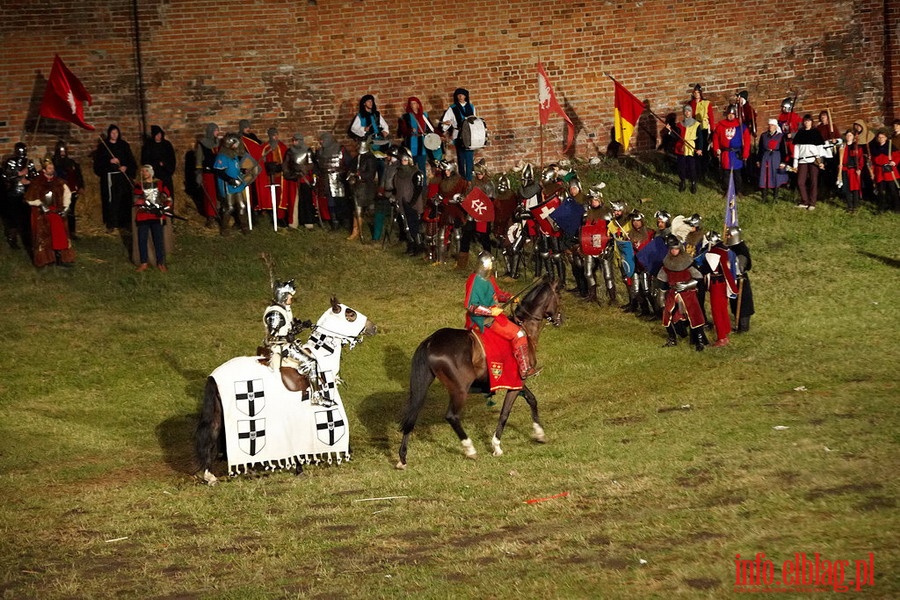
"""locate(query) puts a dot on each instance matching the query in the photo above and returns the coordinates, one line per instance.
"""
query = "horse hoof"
(400, 466)
(469, 448)
(209, 478)
(495, 445)
(539, 434)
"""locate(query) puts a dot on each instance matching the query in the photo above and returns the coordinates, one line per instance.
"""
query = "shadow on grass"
(891, 262)
(176, 439)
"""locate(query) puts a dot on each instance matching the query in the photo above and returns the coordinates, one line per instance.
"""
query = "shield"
(542, 214)
(478, 205)
(249, 397)
(512, 234)
(569, 216)
(330, 427)
(594, 239)
(251, 435)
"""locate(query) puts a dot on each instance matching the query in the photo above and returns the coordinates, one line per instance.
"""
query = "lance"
(272, 187)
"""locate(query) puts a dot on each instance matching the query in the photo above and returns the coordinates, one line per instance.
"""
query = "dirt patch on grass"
(850, 488)
(701, 583)
(788, 477)
(876, 503)
(624, 420)
(694, 477)
(613, 563)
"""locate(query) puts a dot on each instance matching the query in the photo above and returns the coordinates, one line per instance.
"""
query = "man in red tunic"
(271, 178)
(680, 278)
(720, 285)
(49, 198)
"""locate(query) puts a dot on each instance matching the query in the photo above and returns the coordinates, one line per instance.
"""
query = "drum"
(473, 133)
(432, 141)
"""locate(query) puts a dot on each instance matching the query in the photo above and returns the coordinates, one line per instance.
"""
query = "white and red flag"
(547, 103)
(64, 96)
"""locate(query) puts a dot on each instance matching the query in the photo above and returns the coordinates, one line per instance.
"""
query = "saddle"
(292, 380)
(502, 369)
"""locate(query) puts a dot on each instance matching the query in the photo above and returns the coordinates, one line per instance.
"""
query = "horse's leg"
(209, 429)
(508, 401)
(458, 392)
(537, 430)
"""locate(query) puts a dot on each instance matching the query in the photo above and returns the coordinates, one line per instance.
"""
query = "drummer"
(451, 125)
(413, 127)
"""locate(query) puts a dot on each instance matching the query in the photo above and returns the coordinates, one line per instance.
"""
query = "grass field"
(670, 458)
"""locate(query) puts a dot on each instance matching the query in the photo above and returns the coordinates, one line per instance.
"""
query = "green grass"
(103, 369)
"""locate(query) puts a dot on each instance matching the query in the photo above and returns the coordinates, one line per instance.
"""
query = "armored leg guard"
(591, 294)
(672, 340)
(328, 391)
(520, 352)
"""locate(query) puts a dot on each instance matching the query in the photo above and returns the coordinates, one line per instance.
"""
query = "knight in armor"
(116, 167)
(452, 188)
(332, 161)
(49, 198)
(298, 168)
(716, 267)
(271, 178)
(451, 124)
(505, 205)
(363, 180)
(413, 127)
(282, 343)
(409, 187)
(205, 153)
(483, 312)
(682, 312)
(230, 184)
(69, 171)
(472, 229)
(385, 200)
(159, 153)
(152, 205)
(640, 292)
(789, 122)
(18, 173)
(548, 251)
(619, 228)
(596, 253)
(742, 305)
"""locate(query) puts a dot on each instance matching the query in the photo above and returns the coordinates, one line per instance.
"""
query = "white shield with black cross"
(249, 397)
(330, 426)
(251, 435)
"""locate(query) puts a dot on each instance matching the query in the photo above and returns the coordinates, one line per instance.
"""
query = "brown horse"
(456, 358)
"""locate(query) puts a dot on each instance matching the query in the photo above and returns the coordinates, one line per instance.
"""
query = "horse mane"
(527, 307)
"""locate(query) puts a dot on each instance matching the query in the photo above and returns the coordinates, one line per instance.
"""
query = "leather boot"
(462, 262)
(591, 294)
(611, 291)
(354, 233)
(520, 352)
(672, 340)
(697, 337)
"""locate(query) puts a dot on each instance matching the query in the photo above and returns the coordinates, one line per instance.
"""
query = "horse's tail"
(209, 428)
(420, 377)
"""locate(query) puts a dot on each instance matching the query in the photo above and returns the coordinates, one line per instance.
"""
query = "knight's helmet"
(694, 220)
(232, 141)
(672, 241)
(617, 206)
(733, 236)
(550, 173)
(485, 266)
(282, 290)
(527, 174)
(663, 216)
(595, 192)
(503, 184)
(637, 215)
(21, 150)
(787, 104)
(480, 168)
(443, 165)
(731, 109)
(713, 238)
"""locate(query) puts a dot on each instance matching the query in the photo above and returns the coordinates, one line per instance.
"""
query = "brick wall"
(303, 66)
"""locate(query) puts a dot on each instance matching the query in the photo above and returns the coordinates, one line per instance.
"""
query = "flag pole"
(542, 146)
(658, 118)
(37, 124)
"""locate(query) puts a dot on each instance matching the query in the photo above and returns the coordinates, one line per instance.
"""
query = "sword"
(248, 208)
(271, 187)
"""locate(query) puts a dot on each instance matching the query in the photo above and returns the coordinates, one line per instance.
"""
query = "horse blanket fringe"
(269, 427)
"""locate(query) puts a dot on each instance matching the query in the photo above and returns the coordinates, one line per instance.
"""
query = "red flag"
(628, 110)
(479, 206)
(64, 96)
(547, 103)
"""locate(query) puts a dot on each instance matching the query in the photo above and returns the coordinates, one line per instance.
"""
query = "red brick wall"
(303, 67)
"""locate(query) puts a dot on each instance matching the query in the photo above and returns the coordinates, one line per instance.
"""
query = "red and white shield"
(542, 213)
(478, 205)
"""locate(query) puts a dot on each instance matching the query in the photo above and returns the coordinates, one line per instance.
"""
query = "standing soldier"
(742, 306)
(731, 143)
(720, 284)
(18, 173)
(682, 310)
(158, 152)
(69, 171)
(49, 198)
(204, 159)
(299, 176)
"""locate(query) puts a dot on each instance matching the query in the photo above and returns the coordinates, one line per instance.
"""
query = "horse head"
(542, 303)
(344, 322)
